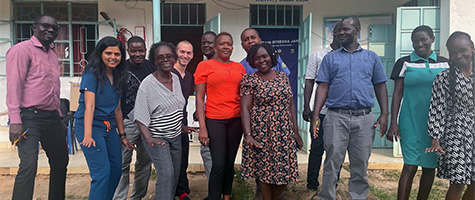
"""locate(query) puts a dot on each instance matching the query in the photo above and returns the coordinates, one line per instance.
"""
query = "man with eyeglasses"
(33, 101)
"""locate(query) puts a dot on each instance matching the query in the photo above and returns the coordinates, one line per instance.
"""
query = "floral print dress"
(271, 125)
(452, 121)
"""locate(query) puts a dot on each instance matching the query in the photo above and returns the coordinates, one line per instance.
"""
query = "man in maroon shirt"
(34, 108)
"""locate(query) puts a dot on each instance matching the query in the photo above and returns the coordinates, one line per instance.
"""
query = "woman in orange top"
(220, 123)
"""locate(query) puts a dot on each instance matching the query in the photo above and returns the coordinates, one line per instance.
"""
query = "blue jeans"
(104, 160)
(315, 158)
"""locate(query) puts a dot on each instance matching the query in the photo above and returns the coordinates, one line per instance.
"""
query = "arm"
(89, 102)
(307, 94)
(382, 96)
(293, 117)
(120, 127)
(246, 104)
(437, 114)
(321, 97)
(200, 112)
(17, 63)
(147, 135)
(394, 131)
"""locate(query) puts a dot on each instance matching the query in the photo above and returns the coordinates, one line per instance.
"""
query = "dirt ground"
(383, 186)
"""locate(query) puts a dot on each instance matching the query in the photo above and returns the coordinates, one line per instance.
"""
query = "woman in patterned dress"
(452, 118)
(413, 76)
(269, 122)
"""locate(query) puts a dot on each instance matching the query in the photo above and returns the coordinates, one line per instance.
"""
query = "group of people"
(140, 105)
(432, 111)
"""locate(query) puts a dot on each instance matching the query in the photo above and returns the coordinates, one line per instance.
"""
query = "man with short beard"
(137, 69)
(250, 37)
(33, 101)
(348, 76)
(184, 51)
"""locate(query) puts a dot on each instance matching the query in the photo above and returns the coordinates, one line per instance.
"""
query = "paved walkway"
(380, 159)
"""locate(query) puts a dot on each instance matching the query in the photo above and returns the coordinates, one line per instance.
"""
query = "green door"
(381, 40)
(305, 31)
(409, 18)
(214, 24)
(6, 41)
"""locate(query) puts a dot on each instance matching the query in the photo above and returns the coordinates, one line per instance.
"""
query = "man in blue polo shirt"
(346, 81)
(250, 37)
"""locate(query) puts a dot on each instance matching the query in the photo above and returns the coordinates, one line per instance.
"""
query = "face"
(422, 42)
(249, 38)
(111, 56)
(346, 32)
(137, 52)
(185, 53)
(460, 51)
(207, 45)
(164, 58)
(46, 30)
(224, 47)
(262, 60)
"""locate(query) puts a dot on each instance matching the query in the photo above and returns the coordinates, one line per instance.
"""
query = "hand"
(435, 147)
(187, 129)
(383, 123)
(127, 144)
(253, 143)
(315, 127)
(307, 115)
(203, 137)
(88, 141)
(299, 140)
(393, 132)
(154, 141)
(15, 132)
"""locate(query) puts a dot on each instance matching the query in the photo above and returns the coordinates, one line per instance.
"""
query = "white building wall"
(236, 18)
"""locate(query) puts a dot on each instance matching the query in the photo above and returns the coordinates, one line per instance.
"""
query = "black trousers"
(47, 128)
(183, 185)
(225, 136)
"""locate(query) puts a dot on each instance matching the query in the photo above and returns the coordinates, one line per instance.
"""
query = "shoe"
(184, 196)
(206, 198)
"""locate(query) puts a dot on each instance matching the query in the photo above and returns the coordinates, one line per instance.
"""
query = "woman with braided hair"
(452, 118)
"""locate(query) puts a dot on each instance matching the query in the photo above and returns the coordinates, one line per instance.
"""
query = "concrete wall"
(128, 15)
(235, 19)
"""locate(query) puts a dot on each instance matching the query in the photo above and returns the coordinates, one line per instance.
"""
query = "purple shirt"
(32, 78)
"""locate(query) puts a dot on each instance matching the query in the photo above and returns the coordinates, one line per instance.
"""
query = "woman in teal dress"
(413, 76)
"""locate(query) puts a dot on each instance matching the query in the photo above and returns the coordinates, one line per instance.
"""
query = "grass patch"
(153, 175)
(382, 194)
(72, 196)
(241, 189)
(392, 175)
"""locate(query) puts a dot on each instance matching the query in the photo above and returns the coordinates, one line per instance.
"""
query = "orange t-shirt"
(222, 88)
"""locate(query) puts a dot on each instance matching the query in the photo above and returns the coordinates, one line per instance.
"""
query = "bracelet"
(248, 134)
(122, 135)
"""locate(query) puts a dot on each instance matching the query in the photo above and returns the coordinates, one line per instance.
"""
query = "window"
(72, 49)
(183, 14)
(275, 15)
(423, 3)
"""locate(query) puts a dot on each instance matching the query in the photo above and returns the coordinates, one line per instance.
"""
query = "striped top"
(158, 108)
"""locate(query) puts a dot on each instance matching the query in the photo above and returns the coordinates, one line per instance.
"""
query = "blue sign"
(286, 42)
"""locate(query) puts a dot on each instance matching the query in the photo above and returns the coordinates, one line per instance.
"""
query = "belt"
(36, 111)
(355, 112)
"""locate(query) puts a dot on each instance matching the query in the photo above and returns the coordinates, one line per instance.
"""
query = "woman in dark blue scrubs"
(99, 114)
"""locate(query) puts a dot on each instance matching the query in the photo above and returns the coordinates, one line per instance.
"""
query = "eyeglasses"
(168, 57)
(48, 26)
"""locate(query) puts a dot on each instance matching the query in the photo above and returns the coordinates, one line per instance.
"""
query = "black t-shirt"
(187, 84)
(133, 78)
